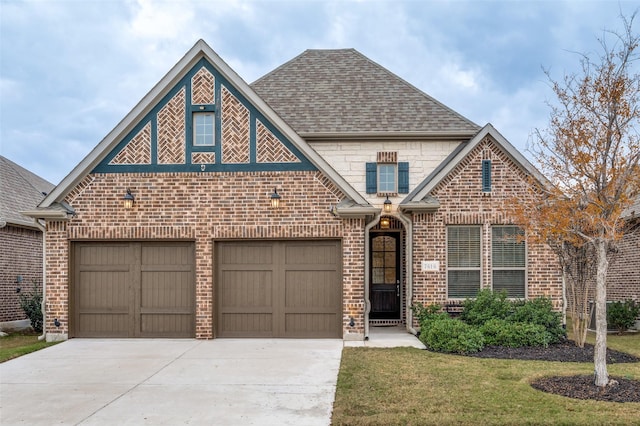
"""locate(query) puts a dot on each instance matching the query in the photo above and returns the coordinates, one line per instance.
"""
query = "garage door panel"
(307, 289)
(104, 325)
(246, 325)
(305, 324)
(278, 289)
(136, 289)
(249, 289)
(103, 290)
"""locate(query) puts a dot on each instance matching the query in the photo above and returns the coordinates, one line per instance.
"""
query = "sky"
(70, 70)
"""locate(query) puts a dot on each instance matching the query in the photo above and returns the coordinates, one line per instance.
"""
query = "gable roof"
(197, 52)
(329, 93)
(19, 190)
(420, 198)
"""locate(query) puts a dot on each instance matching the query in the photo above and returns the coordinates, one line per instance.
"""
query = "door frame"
(397, 233)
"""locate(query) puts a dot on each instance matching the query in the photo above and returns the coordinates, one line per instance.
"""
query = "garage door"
(279, 289)
(139, 289)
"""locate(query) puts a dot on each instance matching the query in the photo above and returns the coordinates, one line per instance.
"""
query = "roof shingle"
(344, 92)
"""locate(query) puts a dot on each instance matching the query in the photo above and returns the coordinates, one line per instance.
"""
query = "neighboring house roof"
(420, 199)
(19, 190)
(52, 203)
(338, 93)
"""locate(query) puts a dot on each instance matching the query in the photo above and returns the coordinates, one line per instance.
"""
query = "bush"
(427, 313)
(486, 306)
(622, 315)
(31, 304)
(540, 311)
(444, 334)
(500, 332)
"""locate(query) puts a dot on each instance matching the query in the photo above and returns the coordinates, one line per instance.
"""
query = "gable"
(243, 138)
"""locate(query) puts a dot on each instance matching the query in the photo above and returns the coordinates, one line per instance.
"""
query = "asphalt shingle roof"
(20, 190)
(342, 91)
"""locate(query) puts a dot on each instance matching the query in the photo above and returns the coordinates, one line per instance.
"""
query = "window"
(203, 129)
(463, 261)
(486, 175)
(508, 260)
(387, 178)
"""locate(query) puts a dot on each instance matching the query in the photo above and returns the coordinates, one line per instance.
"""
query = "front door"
(384, 292)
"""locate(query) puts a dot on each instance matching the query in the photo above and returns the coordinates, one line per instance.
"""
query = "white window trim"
(194, 132)
(448, 268)
(526, 262)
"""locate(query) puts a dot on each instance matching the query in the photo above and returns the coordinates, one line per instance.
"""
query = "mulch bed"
(579, 387)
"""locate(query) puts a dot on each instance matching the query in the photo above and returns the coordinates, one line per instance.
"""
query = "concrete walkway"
(181, 381)
(170, 382)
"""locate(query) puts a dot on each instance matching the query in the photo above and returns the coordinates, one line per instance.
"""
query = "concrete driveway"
(156, 382)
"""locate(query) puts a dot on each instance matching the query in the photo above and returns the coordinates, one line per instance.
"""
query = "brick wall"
(20, 254)
(463, 203)
(204, 207)
(623, 279)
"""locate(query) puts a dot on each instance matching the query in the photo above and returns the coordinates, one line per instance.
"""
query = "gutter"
(43, 307)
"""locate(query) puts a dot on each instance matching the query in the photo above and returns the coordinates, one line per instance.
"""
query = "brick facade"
(205, 208)
(623, 279)
(462, 202)
(21, 256)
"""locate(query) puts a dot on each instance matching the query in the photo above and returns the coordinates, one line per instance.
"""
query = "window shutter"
(486, 175)
(372, 179)
(403, 177)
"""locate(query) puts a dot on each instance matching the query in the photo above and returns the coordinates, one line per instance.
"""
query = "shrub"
(487, 305)
(427, 313)
(31, 304)
(540, 311)
(444, 334)
(500, 332)
(622, 315)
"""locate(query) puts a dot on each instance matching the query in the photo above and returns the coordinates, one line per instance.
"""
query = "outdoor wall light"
(384, 223)
(275, 199)
(56, 322)
(19, 282)
(387, 205)
(128, 200)
(352, 322)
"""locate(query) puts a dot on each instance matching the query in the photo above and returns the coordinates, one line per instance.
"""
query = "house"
(325, 198)
(623, 276)
(20, 238)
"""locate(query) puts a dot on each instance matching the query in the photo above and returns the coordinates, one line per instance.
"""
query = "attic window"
(203, 134)
(486, 175)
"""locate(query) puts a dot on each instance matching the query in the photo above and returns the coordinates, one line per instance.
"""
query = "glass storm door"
(384, 292)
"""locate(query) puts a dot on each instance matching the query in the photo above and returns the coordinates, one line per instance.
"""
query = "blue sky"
(70, 70)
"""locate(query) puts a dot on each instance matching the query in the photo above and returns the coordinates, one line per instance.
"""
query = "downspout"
(43, 229)
(367, 302)
(408, 223)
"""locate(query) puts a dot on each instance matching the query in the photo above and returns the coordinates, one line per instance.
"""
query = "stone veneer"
(205, 208)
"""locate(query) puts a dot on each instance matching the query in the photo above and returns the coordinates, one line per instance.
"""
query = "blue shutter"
(372, 178)
(403, 177)
(486, 175)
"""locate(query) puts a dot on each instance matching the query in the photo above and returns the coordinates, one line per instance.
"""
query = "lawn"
(18, 344)
(405, 386)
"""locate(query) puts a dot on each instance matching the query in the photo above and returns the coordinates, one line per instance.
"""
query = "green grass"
(405, 386)
(18, 344)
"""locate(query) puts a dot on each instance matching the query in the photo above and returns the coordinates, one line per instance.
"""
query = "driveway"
(158, 381)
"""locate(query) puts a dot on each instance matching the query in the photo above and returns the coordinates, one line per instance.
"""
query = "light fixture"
(384, 223)
(19, 282)
(275, 199)
(352, 322)
(387, 205)
(128, 200)
(57, 323)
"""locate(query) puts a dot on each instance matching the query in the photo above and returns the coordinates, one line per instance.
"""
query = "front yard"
(413, 387)
(18, 344)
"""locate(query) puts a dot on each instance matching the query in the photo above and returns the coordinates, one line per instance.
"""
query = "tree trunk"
(600, 352)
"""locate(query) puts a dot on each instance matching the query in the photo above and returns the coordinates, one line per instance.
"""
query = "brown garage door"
(279, 289)
(133, 289)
